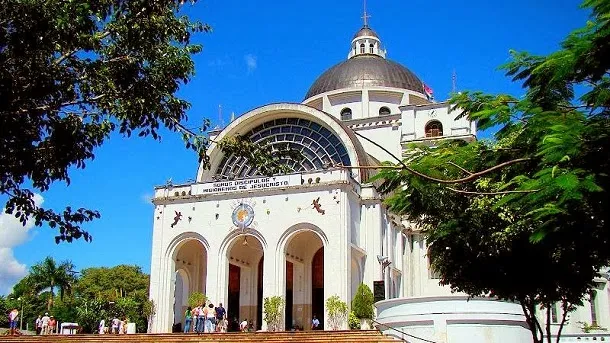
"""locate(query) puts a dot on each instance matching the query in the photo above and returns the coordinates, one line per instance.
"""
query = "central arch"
(302, 247)
(244, 254)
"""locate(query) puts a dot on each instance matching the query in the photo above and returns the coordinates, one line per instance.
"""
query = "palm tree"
(49, 275)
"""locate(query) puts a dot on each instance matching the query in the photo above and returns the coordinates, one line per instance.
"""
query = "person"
(221, 322)
(188, 319)
(13, 318)
(39, 325)
(200, 319)
(210, 318)
(315, 323)
(243, 327)
(45, 323)
(101, 327)
(115, 325)
(52, 324)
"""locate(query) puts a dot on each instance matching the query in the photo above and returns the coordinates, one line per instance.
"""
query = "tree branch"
(471, 177)
(492, 193)
(564, 318)
(460, 168)
(69, 103)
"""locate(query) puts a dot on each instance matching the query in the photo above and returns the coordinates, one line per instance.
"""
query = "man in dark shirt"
(221, 316)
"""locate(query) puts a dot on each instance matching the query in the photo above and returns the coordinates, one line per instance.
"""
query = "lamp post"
(22, 317)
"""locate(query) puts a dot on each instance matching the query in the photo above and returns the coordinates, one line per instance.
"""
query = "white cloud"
(12, 234)
(250, 62)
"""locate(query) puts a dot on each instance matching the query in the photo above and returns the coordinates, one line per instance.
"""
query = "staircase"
(360, 336)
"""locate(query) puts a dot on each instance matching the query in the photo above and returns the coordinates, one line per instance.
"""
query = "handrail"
(402, 332)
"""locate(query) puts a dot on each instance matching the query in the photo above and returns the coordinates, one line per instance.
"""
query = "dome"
(365, 31)
(367, 70)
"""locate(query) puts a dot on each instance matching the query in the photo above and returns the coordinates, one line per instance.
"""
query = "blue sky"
(266, 51)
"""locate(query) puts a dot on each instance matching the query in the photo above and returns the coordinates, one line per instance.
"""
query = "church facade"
(239, 237)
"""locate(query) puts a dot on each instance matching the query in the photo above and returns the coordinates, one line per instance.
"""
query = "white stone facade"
(239, 238)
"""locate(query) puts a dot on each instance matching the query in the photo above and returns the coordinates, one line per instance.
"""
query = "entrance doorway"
(245, 257)
(304, 291)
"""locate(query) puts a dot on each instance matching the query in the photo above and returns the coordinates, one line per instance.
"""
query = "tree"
(73, 72)
(273, 308)
(197, 299)
(523, 217)
(337, 312)
(362, 304)
(49, 275)
(112, 283)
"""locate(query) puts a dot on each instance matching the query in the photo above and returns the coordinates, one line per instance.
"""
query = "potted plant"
(337, 312)
(362, 306)
(274, 307)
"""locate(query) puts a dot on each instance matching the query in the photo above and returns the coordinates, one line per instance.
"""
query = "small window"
(434, 129)
(346, 114)
(554, 314)
(384, 111)
(362, 46)
(371, 48)
(593, 308)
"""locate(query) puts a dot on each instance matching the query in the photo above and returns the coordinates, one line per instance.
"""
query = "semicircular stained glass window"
(318, 146)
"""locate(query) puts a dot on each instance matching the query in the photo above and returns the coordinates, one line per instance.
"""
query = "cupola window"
(346, 114)
(434, 129)
(362, 46)
(384, 111)
(371, 48)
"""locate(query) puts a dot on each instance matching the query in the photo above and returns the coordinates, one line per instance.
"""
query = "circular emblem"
(243, 215)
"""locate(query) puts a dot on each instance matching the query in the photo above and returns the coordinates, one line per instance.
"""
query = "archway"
(190, 260)
(304, 293)
(244, 289)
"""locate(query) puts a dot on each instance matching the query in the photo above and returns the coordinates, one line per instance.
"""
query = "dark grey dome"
(365, 70)
(365, 31)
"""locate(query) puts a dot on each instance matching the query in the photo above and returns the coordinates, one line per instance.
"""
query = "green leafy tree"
(197, 299)
(112, 283)
(89, 313)
(337, 312)
(273, 310)
(523, 217)
(73, 72)
(50, 275)
(362, 304)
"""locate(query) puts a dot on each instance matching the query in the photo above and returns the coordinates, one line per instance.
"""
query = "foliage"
(100, 293)
(197, 299)
(113, 283)
(362, 304)
(273, 310)
(337, 312)
(89, 313)
(48, 275)
(523, 217)
(586, 327)
(353, 321)
(73, 72)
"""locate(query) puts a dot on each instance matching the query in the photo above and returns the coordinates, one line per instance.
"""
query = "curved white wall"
(454, 319)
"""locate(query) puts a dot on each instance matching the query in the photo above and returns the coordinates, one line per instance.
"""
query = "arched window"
(371, 48)
(384, 111)
(346, 114)
(434, 129)
(362, 46)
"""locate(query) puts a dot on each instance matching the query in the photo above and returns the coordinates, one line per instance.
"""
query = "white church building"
(239, 237)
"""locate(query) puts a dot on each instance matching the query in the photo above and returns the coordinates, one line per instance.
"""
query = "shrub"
(362, 304)
(274, 307)
(353, 321)
(337, 312)
(196, 299)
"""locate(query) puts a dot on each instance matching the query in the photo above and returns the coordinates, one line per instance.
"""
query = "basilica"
(239, 237)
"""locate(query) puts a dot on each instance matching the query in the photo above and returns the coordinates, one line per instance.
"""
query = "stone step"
(370, 336)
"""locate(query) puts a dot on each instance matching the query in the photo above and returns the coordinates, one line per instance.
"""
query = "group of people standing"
(46, 325)
(204, 319)
(117, 326)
